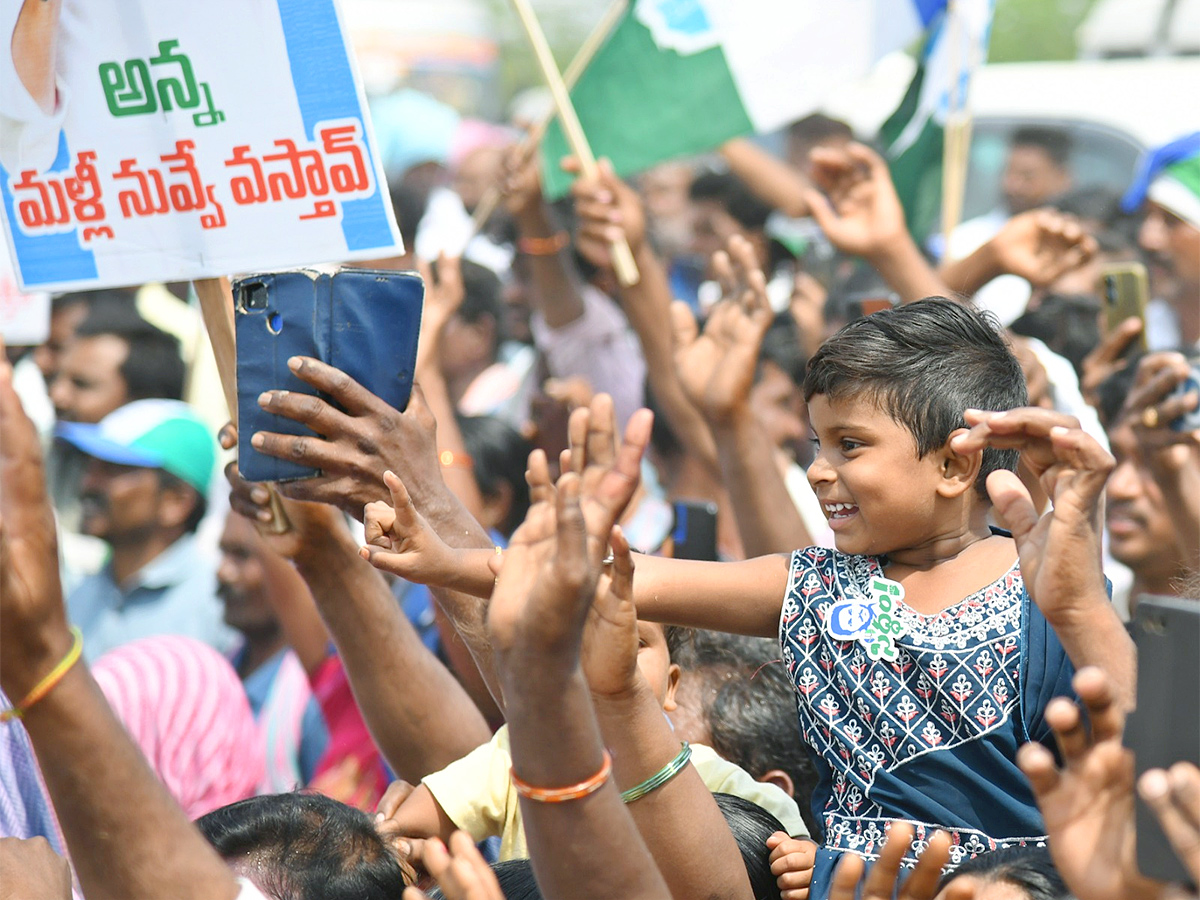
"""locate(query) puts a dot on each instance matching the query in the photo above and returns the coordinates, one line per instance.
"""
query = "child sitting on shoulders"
(923, 655)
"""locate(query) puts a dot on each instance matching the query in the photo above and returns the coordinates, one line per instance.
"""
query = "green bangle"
(661, 777)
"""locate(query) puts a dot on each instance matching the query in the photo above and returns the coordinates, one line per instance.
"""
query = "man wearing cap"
(143, 493)
(1167, 188)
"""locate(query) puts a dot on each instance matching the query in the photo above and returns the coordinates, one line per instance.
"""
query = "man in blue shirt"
(143, 493)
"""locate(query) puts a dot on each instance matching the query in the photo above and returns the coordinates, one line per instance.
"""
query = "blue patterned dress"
(930, 737)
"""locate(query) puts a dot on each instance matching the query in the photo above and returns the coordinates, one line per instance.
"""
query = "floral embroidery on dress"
(954, 680)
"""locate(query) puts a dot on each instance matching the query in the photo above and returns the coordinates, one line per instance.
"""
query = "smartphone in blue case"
(363, 321)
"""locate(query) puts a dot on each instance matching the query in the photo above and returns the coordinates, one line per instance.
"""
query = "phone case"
(1165, 727)
(363, 321)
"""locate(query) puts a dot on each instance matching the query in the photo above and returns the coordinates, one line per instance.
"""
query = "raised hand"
(1088, 803)
(545, 586)
(1041, 245)
(1060, 550)
(610, 640)
(400, 541)
(522, 181)
(1174, 796)
(1108, 357)
(607, 210)
(1151, 407)
(460, 872)
(443, 296)
(880, 883)
(355, 445)
(716, 367)
(862, 214)
(35, 634)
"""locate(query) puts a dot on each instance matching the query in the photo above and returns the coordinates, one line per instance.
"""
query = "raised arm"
(585, 836)
(716, 369)
(1060, 551)
(1039, 246)
(771, 179)
(862, 216)
(417, 712)
(127, 838)
(680, 815)
(609, 208)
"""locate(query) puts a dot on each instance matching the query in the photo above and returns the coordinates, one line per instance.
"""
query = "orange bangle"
(451, 460)
(565, 794)
(544, 246)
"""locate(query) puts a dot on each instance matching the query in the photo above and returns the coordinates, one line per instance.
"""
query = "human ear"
(958, 471)
(673, 675)
(780, 779)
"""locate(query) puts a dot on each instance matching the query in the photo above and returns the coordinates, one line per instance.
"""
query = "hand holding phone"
(1124, 292)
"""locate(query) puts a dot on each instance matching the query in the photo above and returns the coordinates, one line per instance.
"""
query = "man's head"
(241, 580)
(1037, 168)
(1140, 531)
(924, 364)
(304, 847)
(148, 475)
(1167, 190)
(815, 130)
(67, 313)
(735, 696)
(115, 358)
(474, 333)
(722, 207)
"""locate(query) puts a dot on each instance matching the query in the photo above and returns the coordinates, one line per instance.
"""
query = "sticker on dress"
(885, 627)
(849, 619)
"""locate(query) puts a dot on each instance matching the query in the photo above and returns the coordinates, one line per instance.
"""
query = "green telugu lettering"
(132, 89)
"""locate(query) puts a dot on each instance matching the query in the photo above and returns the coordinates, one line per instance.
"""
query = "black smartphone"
(364, 322)
(1165, 727)
(695, 533)
(1125, 292)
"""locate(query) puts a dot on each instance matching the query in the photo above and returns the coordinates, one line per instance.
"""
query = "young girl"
(919, 660)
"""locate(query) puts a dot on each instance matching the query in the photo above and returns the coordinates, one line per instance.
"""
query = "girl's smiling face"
(877, 494)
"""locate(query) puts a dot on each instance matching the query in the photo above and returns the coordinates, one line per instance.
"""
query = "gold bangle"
(47, 684)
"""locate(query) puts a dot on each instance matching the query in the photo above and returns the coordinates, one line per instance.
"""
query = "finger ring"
(1150, 417)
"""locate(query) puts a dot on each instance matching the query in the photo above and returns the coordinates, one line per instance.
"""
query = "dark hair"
(817, 128)
(153, 367)
(499, 454)
(751, 825)
(305, 847)
(782, 346)
(1029, 869)
(1066, 323)
(749, 706)
(1054, 142)
(1112, 391)
(482, 298)
(923, 364)
(168, 481)
(731, 193)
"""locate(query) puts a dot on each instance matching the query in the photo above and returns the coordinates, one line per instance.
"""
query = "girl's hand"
(792, 861)
(400, 541)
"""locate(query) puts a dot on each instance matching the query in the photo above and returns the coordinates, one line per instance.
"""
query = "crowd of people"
(478, 655)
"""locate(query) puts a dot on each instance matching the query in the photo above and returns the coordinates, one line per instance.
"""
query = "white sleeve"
(28, 136)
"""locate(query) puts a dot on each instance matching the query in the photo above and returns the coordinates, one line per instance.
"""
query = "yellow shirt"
(478, 796)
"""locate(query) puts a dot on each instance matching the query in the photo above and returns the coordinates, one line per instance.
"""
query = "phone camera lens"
(256, 296)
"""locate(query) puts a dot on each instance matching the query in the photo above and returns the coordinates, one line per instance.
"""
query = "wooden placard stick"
(216, 307)
(491, 197)
(622, 256)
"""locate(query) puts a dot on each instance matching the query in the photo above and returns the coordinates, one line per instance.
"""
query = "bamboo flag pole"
(216, 308)
(491, 197)
(956, 138)
(622, 256)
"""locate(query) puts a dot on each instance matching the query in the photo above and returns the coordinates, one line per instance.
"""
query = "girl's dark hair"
(1028, 868)
(499, 455)
(923, 364)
